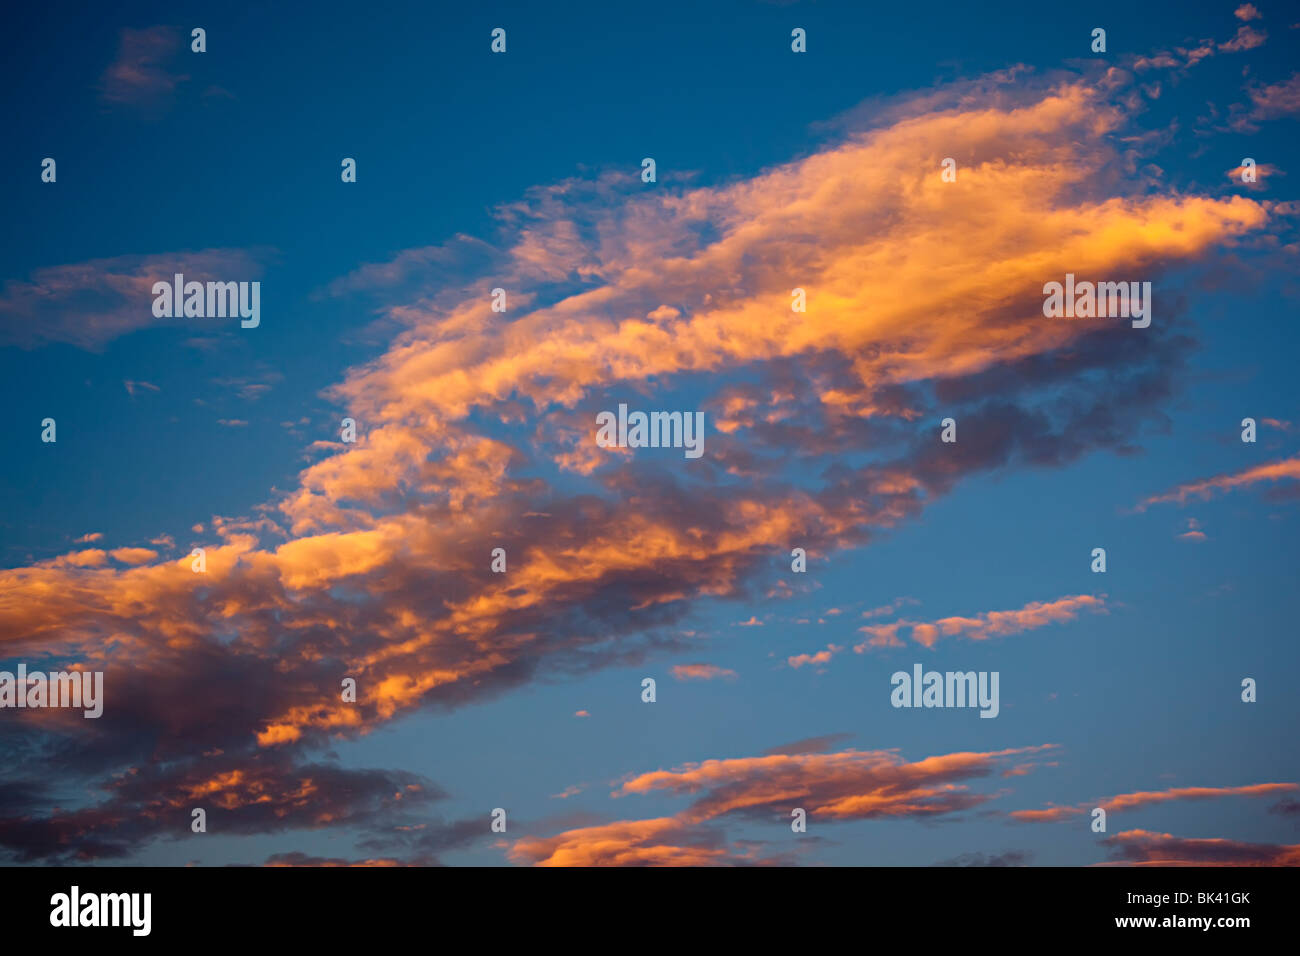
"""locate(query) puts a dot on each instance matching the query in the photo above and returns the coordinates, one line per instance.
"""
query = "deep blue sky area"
(243, 153)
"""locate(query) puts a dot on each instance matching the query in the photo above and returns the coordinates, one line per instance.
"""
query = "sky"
(522, 690)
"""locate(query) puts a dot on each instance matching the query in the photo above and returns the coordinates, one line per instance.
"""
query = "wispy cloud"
(1143, 798)
(88, 304)
(1286, 469)
(141, 75)
(702, 672)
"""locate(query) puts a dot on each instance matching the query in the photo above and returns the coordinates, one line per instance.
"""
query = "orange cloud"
(1284, 469)
(821, 657)
(847, 785)
(658, 842)
(983, 626)
(1142, 798)
(837, 786)
(702, 672)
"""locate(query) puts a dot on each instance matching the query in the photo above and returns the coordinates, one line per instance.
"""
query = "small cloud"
(581, 713)
(1247, 12)
(569, 791)
(1286, 807)
(164, 541)
(1263, 171)
(139, 77)
(752, 622)
(1247, 38)
(1285, 469)
(702, 672)
(250, 389)
(91, 558)
(1268, 103)
(232, 422)
(821, 657)
(132, 387)
(890, 608)
(1279, 424)
(87, 538)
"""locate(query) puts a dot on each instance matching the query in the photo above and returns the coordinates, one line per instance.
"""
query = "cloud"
(887, 609)
(1247, 12)
(1263, 173)
(1143, 798)
(983, 626)
(660, 842)
(88, 304)
(615, 291)
(839, 786)
(702, 672)
(1182, 59)
(1247, 38)
(140, 76)
(1145, 848)
(821, 657)
(132, 387)
(1269, 102)
(1205, 488)
(88, 558)
(848, 785)
(241, 797)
